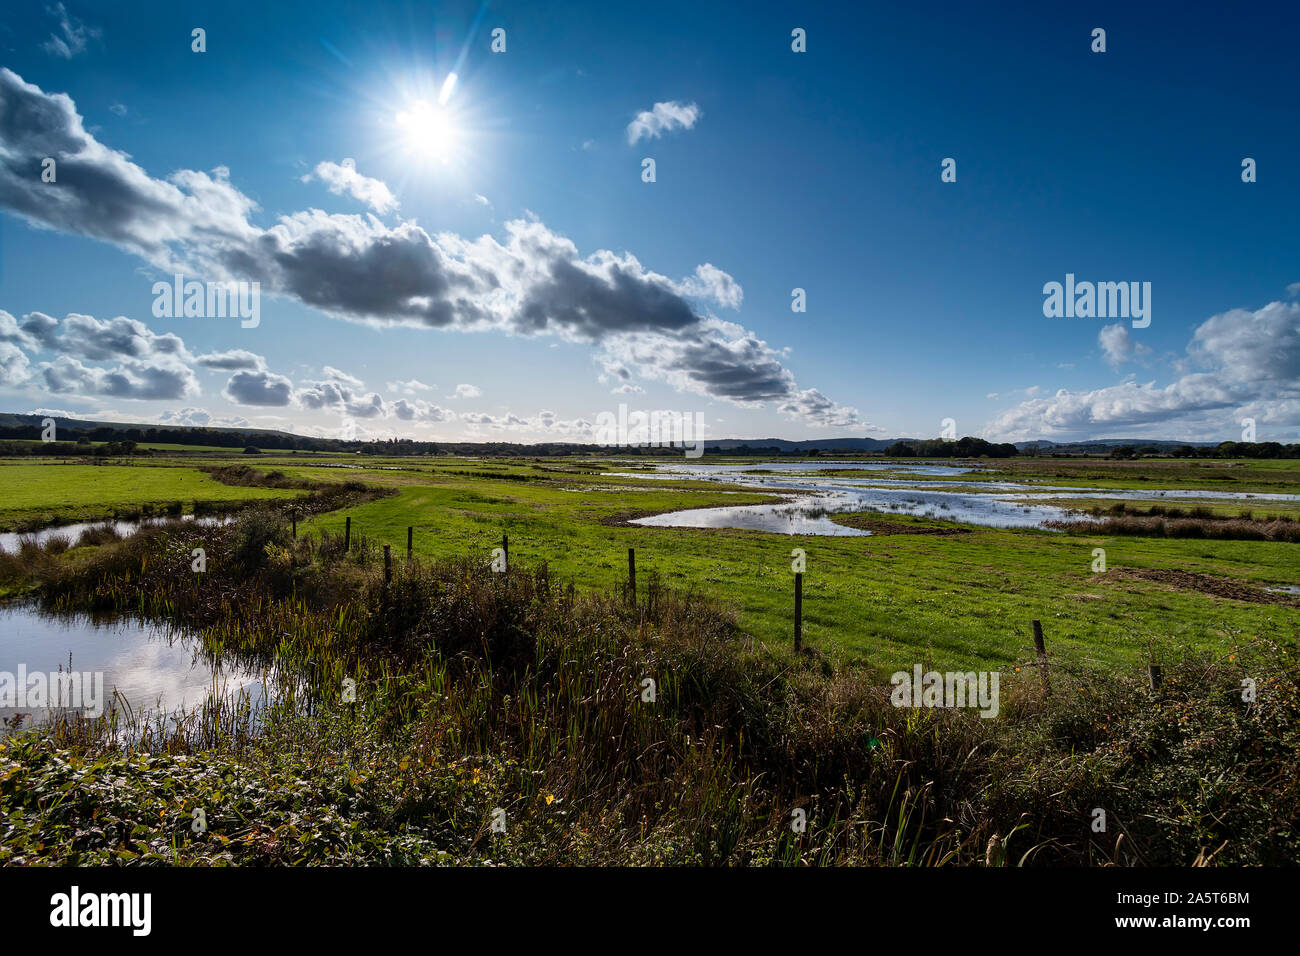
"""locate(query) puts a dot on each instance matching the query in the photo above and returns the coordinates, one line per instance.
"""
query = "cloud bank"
(533, 282)
(1238, 364)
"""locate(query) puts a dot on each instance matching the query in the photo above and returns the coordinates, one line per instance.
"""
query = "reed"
(616, 734)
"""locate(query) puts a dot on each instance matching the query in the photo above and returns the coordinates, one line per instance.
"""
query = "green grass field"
(57, 492)
(891, 600)
(956, 600)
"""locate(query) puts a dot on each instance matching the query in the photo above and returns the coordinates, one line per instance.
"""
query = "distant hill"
(9, 420)
(1106, 444)
(15, 426)
(29, 427)
(1096, 446)
(820, 444)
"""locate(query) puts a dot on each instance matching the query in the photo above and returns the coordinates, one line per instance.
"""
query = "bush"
(259, 529)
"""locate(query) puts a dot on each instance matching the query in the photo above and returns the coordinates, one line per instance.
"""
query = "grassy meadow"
(36, 495)
(949, 600)
(479, 690)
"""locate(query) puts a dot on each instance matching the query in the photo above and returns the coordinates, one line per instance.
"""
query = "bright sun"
(429, 129)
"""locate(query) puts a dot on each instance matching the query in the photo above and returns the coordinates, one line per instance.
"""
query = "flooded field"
(818, 491)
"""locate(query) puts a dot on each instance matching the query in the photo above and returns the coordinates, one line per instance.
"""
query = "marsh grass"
(479, 690)
(1170, 522)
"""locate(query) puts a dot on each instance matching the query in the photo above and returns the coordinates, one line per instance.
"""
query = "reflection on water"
(996, 504)
(152, 667)
(801, 516)
(10, 540)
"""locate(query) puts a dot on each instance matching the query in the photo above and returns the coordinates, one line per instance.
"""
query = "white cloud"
(13, 332)
(199, 417)
(419, 411)
(334, 375)
(663, 117)
(710, 282)
(232, 360)
(544, 426)
(72, 35)
(409, 387)
(14, 365)
(151, 366)
(1239, 363)
(466, 391)
(167, 379)
(343, 177)
(1117, 345)
(102, 340)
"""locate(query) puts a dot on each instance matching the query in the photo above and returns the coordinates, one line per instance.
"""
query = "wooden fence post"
(293, 517)
(631, 575)
(410, 534)
(347, 534)
(798, 610)
(1153, 674)
(1041, 649)
(505, 551)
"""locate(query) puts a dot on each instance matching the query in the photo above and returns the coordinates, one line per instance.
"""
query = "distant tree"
(252, 450)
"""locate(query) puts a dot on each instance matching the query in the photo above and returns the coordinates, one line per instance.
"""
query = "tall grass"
(1159, 521)
(658, 732)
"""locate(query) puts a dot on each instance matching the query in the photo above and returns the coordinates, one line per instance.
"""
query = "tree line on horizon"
(115, 441)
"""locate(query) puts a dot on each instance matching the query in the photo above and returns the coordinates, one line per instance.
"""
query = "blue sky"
(525, 257)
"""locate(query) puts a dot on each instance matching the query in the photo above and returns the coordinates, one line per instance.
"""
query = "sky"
(852, 239)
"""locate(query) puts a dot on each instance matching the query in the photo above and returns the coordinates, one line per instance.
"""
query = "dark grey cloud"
(34, 332)
(744, 371)
(102, 340)
(411, 411)
(151, 366)
(259, 388)
(340, 392)
(131, 379)
(99, 192)
(590, 304)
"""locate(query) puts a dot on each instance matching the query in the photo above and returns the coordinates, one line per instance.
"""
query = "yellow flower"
(550, 798)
